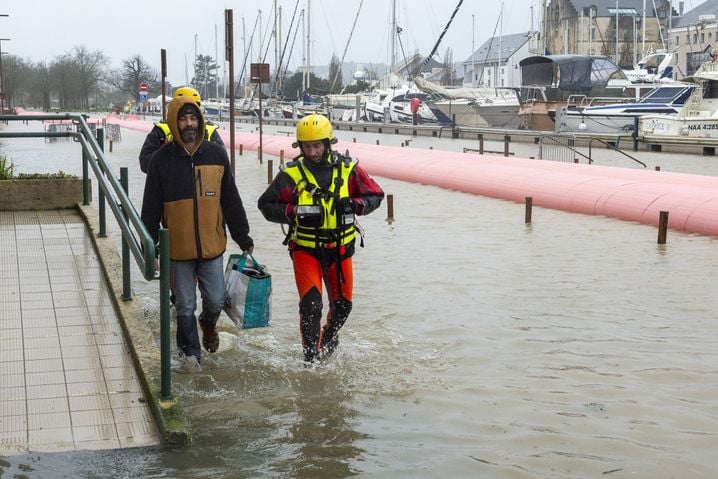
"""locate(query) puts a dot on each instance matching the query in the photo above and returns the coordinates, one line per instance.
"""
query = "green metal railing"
(135, 237)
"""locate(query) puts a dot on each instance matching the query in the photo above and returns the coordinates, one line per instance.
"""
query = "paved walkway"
(67, 379)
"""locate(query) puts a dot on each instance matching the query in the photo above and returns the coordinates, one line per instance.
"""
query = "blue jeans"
(210, 278)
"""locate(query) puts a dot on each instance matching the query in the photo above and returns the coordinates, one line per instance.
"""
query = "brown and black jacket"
(190, 189)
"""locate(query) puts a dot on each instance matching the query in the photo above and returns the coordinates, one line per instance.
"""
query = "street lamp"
(2, 84)
(2, 87)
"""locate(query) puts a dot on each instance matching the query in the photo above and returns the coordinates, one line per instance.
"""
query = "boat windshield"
(666, 94)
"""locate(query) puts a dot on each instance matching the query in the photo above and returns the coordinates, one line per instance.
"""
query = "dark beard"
(189, 135)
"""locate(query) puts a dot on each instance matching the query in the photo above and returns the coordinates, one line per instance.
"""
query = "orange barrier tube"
(623, 193)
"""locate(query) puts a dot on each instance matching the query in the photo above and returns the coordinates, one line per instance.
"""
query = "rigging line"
(401, 45)
(488, 52)
(436, 46)
(266, 51)
(284, 48)
(346, 47)
(246, 54)
(296, 30)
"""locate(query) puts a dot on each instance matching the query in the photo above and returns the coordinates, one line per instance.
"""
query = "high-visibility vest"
(208, 129)
(321, 220)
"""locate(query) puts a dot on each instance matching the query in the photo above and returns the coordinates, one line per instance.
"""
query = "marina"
(609, 353)
(534, 298)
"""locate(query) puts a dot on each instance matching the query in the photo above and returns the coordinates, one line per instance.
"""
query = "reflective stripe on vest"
(208, 129)
(336, 228)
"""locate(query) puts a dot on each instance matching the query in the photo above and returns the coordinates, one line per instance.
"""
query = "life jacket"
(209, 130)
(322, 221)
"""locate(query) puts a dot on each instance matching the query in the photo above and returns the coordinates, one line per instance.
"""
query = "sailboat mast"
(309, 43)
(643, 26)
(393, 37)
(304, 54)
(274, 34)
(473, 50)
(244, 47)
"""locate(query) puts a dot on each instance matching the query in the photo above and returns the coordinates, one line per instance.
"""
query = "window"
(678, 40)
(703, 37)
(695, 38)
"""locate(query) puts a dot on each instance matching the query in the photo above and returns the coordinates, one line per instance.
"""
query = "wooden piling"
(110, 146)
(658, 168)
(481, 144)
(662, 227)
(270, 171)
(281, 157)
(507, 141)
(390, 208)
(241, 149)
(529, 208)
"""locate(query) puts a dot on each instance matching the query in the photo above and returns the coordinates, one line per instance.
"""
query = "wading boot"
(210, 338)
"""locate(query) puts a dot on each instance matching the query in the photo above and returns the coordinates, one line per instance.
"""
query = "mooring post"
(241, 149)
(507, 140)
(529, 207)
(662, 227)
(390, 208)
(481, 143)
(270, 172)
(281, 157)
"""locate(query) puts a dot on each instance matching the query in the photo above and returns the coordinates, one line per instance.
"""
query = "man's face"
(188, 127)
(313, 150)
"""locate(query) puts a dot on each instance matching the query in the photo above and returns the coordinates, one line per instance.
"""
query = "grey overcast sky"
(44, 29)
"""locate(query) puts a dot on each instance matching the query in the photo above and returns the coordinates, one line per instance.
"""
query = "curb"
(173, 424)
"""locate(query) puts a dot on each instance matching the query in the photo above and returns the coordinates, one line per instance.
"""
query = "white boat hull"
(665, 125)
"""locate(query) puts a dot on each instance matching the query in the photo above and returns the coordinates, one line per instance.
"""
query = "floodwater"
(479, 346)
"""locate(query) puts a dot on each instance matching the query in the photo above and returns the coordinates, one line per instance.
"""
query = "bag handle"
(243, 261)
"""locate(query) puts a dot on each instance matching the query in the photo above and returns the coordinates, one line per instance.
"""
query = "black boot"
(210, 337)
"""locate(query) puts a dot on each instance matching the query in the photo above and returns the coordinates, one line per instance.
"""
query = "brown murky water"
(478, 347)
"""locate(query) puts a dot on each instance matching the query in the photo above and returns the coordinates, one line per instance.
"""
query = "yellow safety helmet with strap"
(314, 127)
(188, 91)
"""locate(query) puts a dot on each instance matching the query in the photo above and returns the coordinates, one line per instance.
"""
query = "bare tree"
(134, 71)
(16, 78)
(41, 85)
(335, 75)
(448, 74)
(90, 69)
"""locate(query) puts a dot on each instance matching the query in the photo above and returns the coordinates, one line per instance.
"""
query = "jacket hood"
(172, 113)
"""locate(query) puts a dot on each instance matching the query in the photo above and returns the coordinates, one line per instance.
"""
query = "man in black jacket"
(160, 132)
(191, 190)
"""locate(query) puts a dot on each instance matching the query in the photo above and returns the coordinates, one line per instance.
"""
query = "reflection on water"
(478, 347)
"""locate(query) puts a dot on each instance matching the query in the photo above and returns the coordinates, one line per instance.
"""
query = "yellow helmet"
(188, 91)
(314, 127)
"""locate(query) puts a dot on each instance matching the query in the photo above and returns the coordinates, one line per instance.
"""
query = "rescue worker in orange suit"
(318, 194)
(160, 132)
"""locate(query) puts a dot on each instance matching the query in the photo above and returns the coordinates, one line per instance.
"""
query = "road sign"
(143, 86)
(143, 96)
(259, 72)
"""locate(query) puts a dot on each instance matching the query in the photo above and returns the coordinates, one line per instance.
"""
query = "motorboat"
(472, 107)
(698, 118)
(652, 68)
(550, 81)
(621, 117)
(396, 102)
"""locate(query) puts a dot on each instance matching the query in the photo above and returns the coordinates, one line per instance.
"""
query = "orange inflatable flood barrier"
(623, 193)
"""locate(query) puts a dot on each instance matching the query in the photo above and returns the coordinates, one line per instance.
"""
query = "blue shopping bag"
(247, 292)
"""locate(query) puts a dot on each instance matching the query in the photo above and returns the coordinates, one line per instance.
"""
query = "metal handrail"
(614, 147)
(135, 237)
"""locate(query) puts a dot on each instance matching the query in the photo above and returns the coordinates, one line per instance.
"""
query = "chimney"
(680, 8)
